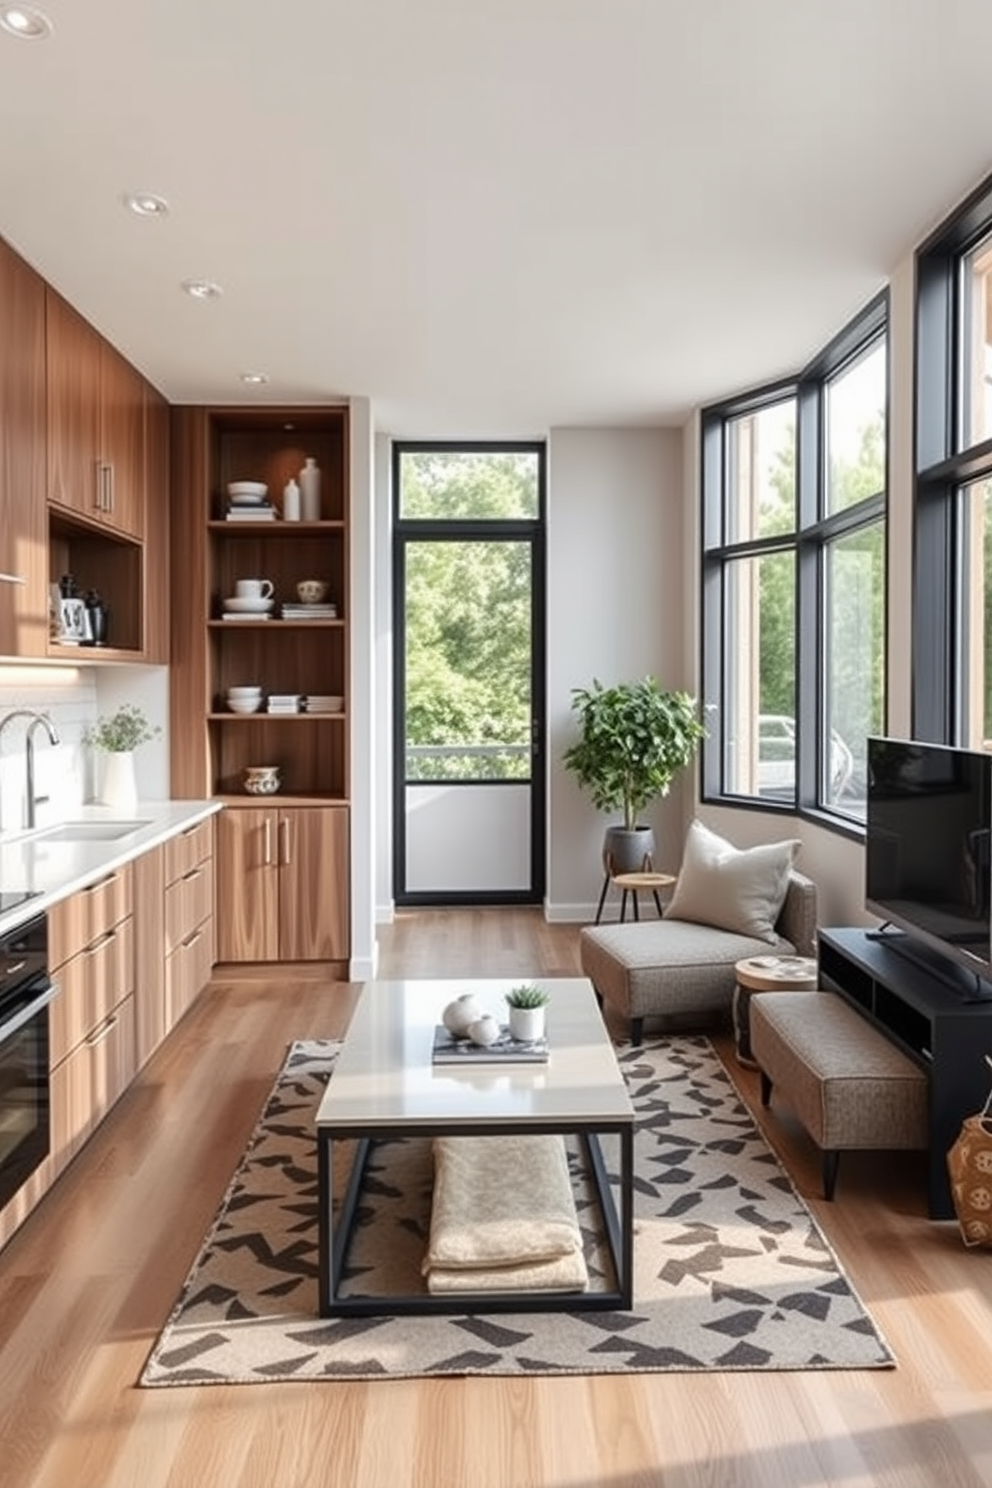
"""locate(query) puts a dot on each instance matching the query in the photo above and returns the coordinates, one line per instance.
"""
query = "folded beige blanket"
(501, 1201)
(564, 1274)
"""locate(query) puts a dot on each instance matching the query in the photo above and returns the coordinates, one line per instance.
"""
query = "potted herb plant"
(527, 1005)
(117, 736)
(634, 738)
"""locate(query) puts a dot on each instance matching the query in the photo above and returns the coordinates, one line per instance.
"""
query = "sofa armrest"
(797, 920)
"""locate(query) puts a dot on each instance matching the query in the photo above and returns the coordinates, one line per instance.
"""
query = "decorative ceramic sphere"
(459, 1014)
(484, 1030)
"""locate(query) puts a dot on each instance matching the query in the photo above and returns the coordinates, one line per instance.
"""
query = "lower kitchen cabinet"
(282, 883)
(87, 1083)
(92, 1025)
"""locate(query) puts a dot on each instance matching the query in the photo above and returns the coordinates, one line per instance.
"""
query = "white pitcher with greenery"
(117, 736)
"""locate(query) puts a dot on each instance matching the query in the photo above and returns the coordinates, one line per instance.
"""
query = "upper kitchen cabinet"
(156, 565)
(23, 534)
(96, 403)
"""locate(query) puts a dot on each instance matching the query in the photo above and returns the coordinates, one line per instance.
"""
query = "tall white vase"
(120, 788)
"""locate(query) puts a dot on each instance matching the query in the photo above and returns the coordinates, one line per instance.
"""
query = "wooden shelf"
(242, 718)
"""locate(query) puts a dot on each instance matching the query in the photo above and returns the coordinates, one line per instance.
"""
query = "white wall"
(73, 697)
(617, 601)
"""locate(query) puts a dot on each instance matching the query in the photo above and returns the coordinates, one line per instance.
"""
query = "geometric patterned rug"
(731, 1270)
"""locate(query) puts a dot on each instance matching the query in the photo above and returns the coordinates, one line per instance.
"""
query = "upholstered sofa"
(675, 966)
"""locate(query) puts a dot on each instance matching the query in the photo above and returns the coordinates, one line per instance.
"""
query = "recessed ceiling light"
(145, 203)
(255, 379)
(25, 21)
(202, 289)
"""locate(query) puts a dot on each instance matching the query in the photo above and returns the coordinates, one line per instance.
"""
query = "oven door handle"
(25, 1014)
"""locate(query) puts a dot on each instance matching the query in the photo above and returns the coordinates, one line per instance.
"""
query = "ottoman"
(847, 1083)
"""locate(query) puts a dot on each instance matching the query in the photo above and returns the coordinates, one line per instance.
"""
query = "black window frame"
(944, 463)
(810, 540)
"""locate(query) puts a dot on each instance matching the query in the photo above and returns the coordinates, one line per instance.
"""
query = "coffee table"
(384, 1085)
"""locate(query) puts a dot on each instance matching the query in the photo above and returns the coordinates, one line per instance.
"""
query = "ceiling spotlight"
(145, 203)
(25, 21)
(202, 289)
(255, 379)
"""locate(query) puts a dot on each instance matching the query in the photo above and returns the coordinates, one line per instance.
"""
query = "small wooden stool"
(634, 884)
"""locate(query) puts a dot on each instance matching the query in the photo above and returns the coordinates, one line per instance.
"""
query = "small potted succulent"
(527, 1004)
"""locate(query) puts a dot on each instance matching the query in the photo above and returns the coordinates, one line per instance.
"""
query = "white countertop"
(52, 870)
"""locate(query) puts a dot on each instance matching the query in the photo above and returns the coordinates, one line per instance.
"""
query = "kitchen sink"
(89, 831)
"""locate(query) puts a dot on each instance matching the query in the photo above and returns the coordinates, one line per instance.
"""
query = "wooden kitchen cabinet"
(282, 874)
(92, 1020)
(267, 908)
(189, 917)
(155, 553)
(23, 546)
(95, 421)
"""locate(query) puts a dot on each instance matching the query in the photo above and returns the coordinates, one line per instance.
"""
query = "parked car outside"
(777, 757)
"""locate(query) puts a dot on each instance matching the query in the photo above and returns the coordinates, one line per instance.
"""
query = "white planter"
(119, 787)
(527, 1024)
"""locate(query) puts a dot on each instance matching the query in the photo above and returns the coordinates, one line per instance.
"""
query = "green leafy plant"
(634, 739)
(122, 731)
(527, 996)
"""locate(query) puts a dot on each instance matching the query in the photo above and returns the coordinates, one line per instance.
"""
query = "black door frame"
(533, 532)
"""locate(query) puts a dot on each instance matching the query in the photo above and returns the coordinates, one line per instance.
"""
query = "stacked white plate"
(236, 608)
(324, 703)
(284, 702)
(247, 493)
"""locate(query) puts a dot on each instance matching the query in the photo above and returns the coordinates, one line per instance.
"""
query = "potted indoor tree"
(634, 739)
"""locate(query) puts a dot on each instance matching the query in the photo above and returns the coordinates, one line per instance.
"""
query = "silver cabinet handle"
(99, 1034)
(6, 578)
(191, 940)
(267, 855)
(284, 828)
(110, 487)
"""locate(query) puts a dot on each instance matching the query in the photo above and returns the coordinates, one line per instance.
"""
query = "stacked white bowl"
(244, 699)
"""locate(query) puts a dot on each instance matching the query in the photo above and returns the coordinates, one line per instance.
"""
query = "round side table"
(634, 884)
(766, 974)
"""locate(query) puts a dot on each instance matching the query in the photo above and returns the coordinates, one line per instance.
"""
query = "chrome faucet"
(36, 720)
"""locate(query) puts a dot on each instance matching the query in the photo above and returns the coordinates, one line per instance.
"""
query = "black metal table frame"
(334, 1239)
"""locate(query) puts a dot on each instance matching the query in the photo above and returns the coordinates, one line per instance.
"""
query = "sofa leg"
(637, 1030)
(830, 1162)
(766, 1089)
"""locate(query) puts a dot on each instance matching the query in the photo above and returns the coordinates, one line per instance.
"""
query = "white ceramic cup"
(254, 588)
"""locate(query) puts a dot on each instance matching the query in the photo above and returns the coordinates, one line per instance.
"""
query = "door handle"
(284, 829)
(267, 851)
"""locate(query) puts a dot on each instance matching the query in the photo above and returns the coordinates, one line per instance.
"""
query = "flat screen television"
(927, 859)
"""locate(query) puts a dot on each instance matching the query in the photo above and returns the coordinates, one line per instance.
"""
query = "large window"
(794, 487)
(952, 652)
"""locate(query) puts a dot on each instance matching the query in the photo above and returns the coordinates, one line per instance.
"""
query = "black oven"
(25, 992)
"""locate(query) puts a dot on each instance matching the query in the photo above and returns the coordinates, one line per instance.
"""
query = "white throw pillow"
(740, 889)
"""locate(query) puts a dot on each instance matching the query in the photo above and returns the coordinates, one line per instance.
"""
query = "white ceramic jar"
(310, 490)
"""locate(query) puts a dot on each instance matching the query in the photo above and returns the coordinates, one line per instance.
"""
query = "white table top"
(384, 1075)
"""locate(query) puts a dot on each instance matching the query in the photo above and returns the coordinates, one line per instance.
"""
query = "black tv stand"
(944, 1033)
(965, 984)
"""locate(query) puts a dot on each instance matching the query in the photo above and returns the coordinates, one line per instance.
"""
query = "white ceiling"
(490, 217)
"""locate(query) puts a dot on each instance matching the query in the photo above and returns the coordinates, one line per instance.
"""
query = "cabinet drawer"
(87, 1084)
(188, 902)
(187, 971)
(187, 849)
(78, 921)
(92, 983)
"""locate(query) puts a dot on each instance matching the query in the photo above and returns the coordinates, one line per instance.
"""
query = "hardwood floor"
(87, 1282)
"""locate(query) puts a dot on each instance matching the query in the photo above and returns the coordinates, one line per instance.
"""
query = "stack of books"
(506, 1049)
(262, 511)
(283, 702)
(292, 611)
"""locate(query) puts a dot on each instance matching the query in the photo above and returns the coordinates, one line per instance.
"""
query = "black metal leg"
(623, 904)
(637, 1030)
(637, 910)
(602, 899)
(831, 1159)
